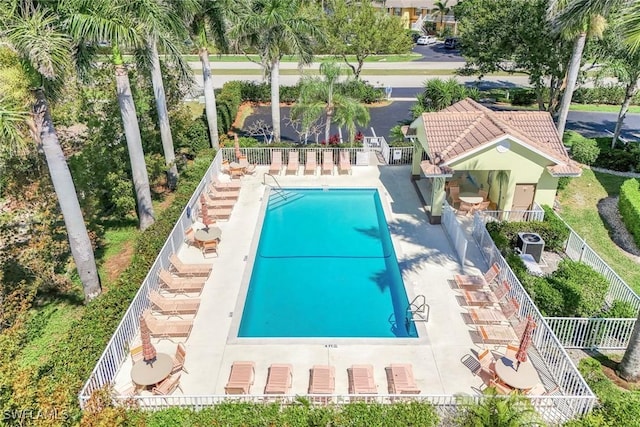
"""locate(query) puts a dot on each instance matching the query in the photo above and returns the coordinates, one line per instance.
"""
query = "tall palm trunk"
(572, 78)
(629, 368)
(79, 241)
(209, 98)
(134, 145)
(163, 117)
(327, 126)
(275, 98)
(628, 95)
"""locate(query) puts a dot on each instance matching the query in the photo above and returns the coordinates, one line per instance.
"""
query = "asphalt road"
(384, 118)
(437, 53)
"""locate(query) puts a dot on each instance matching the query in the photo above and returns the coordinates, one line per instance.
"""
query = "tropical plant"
(319, 97)
(585, 24)
(439, 94)
(209, 26)
(440, 11)
(496, 411)
(45, 52)
(276, 28)
(621, 62)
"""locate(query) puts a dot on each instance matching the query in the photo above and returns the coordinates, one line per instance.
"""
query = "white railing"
(455, 231)
(372, 142)
(593, 333)
(446, 406)
(118, 346)
(535, 214)
(396, 155)
(577, 249)
(555, 358)
(262, 155)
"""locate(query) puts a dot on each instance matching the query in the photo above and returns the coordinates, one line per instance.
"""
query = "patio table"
(210, 234)
(145, 374)
(471, 198)
(523, 378)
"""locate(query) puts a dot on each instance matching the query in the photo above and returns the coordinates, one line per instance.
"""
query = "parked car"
(426, 40)
(451, 43)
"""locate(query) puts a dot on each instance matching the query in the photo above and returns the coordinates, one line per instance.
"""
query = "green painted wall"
(523, 167)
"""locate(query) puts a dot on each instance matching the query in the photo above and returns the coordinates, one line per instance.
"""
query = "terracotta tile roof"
(430, 170)
(565, 170)
(467, 126)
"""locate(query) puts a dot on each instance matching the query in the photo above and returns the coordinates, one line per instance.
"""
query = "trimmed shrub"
(261, 92)
(629, 207)
(620, 310)
(570, 137)
(583, 289)
(522, 96)
(585, 150)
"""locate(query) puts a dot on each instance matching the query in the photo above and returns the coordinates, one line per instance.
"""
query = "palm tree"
(441, 10)
(619, 61)
(45, 51)
(276, 28)
(350, 114)
(582, 24)
(209, 25)
(122, 23)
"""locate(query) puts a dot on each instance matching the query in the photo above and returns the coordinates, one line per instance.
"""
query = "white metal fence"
(579, 397)
(593, 333)
(535, 214)
(118, 346)
(396, 155)
(445, 405)
(455, 231)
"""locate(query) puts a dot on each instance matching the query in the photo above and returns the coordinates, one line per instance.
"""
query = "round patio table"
(208, 234)
(471, 198)
(145, 374)
(524, 378)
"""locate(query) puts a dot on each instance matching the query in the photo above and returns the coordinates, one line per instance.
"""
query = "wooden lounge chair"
(322, 379)
(168, 385)
(189, 237)
(178, 359)
(279, 379)
(173, 306)
(465, 207)
(240, 378)
(469, 281)
(344, 165)
(482, 206)
(219, 214)
(400, 379)
(511, 351)
(479, 298)
(167, 329)
(136, 353)
(190, 270)
(293, 164)
(180, 284)
(502, 290)
(223, 195)
(486, 316)
(218, 185)
(327, 162)
(497, 334)
(276, 163)
(361, 380)
(219, 202)
(311, 165)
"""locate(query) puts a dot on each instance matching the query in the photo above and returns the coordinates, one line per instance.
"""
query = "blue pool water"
(325, 267)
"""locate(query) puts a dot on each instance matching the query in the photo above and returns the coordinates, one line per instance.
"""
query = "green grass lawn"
(579, 201)
(603, 108)
(364, 72)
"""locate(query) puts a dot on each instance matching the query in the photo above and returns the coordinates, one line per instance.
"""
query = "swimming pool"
(325, 267)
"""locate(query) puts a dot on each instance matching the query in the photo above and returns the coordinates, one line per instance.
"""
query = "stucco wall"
(523, 167)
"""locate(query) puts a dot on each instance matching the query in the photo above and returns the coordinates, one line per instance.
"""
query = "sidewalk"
(380, 65)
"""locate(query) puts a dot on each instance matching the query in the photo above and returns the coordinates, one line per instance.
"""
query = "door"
(523, 197)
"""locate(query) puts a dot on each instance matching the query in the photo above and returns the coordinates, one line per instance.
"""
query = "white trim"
(496, 141)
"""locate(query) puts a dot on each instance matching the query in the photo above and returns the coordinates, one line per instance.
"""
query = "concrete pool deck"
(427, 261)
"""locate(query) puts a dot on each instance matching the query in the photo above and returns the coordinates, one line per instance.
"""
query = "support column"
(417, 158)
(437, 199)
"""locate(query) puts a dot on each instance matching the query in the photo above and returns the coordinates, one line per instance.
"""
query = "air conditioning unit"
(532, 244)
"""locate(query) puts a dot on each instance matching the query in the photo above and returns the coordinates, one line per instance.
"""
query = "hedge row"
(629, 207)
(608, 94)
(228, 102)
(261, 92)
(300, 414)
(56, 385)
